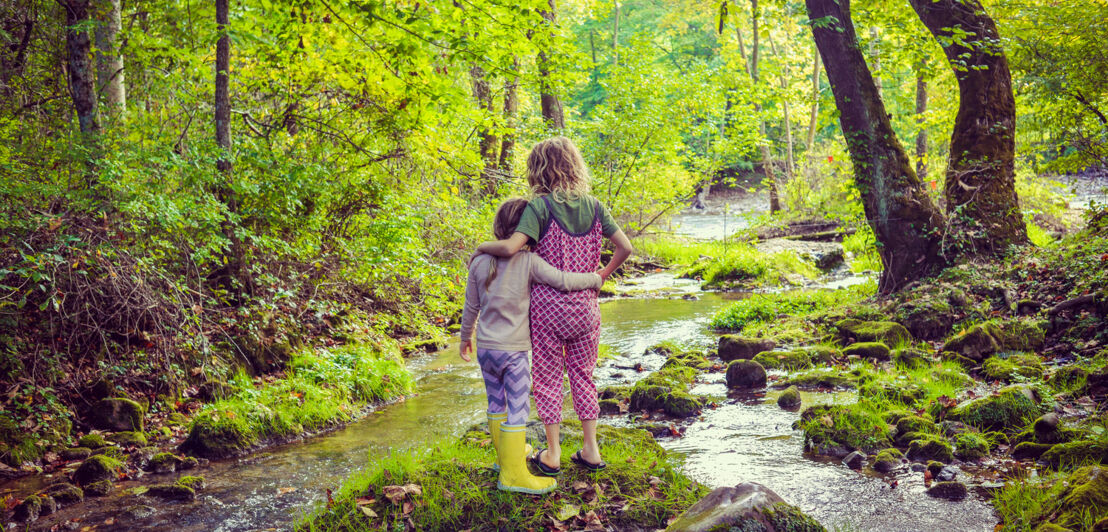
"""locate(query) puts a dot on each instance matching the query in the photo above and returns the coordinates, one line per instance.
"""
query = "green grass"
(1024, 504)
(746, 315)
(718, 263)
(641, 488)
(320, 388)
(1038, 235)
(863, 246)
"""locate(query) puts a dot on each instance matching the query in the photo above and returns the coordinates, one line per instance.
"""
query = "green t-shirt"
(576, 216)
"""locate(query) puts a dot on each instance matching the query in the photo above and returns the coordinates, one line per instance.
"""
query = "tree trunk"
(615, 35)
(511, 108)
(813, 118)
(235, 268)
(109, 57)
(906, 223)
(552, 114)
(980, 184)
(921, 136)
(790, 162)
(767, 158)
(488, 142)
(80, 72)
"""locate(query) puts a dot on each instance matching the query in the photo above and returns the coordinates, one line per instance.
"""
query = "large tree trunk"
(82, 87)
(488, 142)
(980, 184)
(511, 108)
(921, 136)
(109, 57)
(236, 267)
(552, 113)
(908, 226)
(767, 158)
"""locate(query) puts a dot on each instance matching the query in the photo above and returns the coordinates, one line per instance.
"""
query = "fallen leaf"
(368, 511)
(362, 501)
(567, 511)
(395, 494)
(284, 491)
(580, 486)
(408, 507)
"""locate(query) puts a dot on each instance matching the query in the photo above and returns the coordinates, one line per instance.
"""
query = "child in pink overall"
(568, 226)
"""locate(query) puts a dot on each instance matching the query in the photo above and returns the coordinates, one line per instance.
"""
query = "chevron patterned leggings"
(507, 383)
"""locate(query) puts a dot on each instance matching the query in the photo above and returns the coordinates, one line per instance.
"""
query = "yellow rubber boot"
(494, 432)
(514, 475)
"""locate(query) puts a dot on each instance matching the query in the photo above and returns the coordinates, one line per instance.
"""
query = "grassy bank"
(320, 387)
(719, 263)
(456, 490)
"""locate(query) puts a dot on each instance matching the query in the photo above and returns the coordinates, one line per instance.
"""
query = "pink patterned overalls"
(565, 326)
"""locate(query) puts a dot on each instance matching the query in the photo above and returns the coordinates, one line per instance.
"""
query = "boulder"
(196, 483)
(29, 510)
(954, 491)
(930, 448)
(869, 350)
(172, 492)
(126, 438)
(1088, 493)
(1046, 424)
(609, 407)
(789, 399)
(927, 320)
(1076, 453)
(887, 460)
(745, 375)
(970, 446)
(99, 488)
(680, 404)
(789, 360)
(1009, 410)
(214, 439)
(647, 398)
(946, 474)
(747, 506)
(734, 347)
(76, 453)
(96, 468)
(855, 460)
(65, 493)
(92, 441)
(886, 332)
(1030, 450)
(974, 343)
(117, 414)
(164, 463)
(911, 358)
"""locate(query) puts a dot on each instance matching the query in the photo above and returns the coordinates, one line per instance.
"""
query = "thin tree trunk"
(921, 136)
(235, 268)
(813, 117)
(908, 226)
(109, 57)
(615, 34)
(980, 179)
(511, 108)
(767, 159)
(552, 113)
(489, 143)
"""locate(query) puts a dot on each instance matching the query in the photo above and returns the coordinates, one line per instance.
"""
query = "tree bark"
(552, 113)
(236, 267)
(109, 57)
(488, 143)
(905, 221)
(921, 136)
(511, 108)
(980, 186)
(80, 69)
(767, 158)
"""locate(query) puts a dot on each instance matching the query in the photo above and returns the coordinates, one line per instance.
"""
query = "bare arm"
(504, 248)
(471, 309)
(543, 272)
(623, 250)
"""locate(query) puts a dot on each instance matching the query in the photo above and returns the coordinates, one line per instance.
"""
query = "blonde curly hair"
(555, 167)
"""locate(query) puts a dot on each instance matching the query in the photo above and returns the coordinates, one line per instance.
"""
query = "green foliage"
(856, 426)
(720, 263)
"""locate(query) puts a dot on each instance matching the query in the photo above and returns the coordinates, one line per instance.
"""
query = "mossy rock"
(647, 398)
(214, 438)
(905, 393)
(911, 358)
(885, 332)
(688, 359)
(745, 375)
(1050, 527)
(1020, 335)
(975, 343)
(1076, 453)
(951, 490)
(746, 507)
(869, 350)
(65, 493)
(1030, 450)
(128, 438)
(196, 483)
(790, 360)
(95, 468)
(110, 451)
(176, 419)
(76, 453)
(674, 377)
(28, 511)
(930, 448)
(935, 467)
(609, 407)
(916, 424)
(887, 460)
(172, 492)
(164, 463)
(927, 319)
(734, 347)
(970, 446)
(821, 354)
(789, 399)
(1024, 365)
(99, 488)
(1089, 492)
(1010, 409)
(957, 358)
(835, 430)
(117, 414)
(1071, 379)
(680, 404)
(822, 378)
(615, 392)
(92, 441)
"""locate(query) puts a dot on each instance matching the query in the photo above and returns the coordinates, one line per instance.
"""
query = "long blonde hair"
(555, 168)
(503, 225)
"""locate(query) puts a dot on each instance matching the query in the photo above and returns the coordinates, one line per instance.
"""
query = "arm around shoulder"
(504, 248)
(543, 272)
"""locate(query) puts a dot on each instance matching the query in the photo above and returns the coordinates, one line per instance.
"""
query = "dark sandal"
(577, 459)
(543, 468)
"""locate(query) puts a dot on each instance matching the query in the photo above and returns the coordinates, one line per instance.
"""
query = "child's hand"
(603, 277)
(465, 349)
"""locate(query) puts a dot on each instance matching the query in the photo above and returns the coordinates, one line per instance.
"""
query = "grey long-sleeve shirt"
(501, 312)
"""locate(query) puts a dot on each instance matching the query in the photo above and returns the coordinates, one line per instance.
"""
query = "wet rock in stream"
(734, 347)
(747, 506)
(954, 491)
(746, 375)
